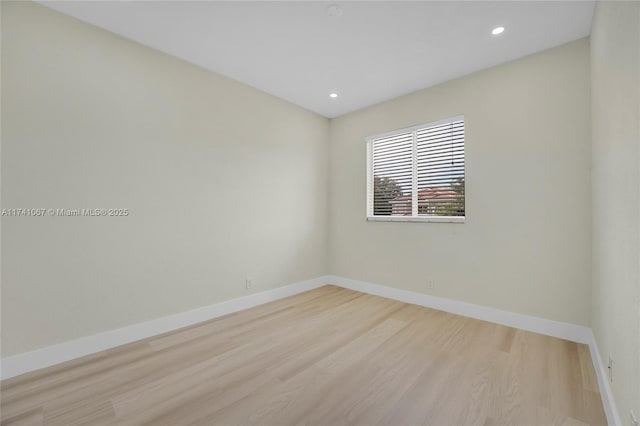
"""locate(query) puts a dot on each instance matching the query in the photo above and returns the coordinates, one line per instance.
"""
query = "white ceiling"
(375, 51)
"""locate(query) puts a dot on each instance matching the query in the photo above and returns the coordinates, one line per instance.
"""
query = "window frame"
(369, 194)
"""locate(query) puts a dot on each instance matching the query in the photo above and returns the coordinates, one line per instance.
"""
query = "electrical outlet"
(634, 420)
(431, 284)
(610, 369)
(248, 283)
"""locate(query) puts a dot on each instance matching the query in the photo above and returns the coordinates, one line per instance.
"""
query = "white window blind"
(417, 173)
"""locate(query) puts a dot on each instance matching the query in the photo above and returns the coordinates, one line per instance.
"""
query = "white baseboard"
(610, 409)
(563, 330)
(56, 354)
(23, 363)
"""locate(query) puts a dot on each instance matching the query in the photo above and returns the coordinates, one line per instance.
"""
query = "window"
(417, 174)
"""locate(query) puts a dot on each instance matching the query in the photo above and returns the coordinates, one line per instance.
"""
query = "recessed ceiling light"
(333, 95)
(334, 11)
(497, 30)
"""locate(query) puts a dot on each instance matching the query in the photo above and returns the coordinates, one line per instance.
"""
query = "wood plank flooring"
(329, 356)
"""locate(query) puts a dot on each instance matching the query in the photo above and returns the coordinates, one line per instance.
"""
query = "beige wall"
(222, 181)
(615, 65)
(525, 246)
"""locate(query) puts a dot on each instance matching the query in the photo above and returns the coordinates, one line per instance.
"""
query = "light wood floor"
(328, 356)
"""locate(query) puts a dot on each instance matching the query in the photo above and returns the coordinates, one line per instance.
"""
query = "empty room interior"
(320, 213)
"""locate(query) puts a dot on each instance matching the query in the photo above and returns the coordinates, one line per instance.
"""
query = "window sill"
(440, 219)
